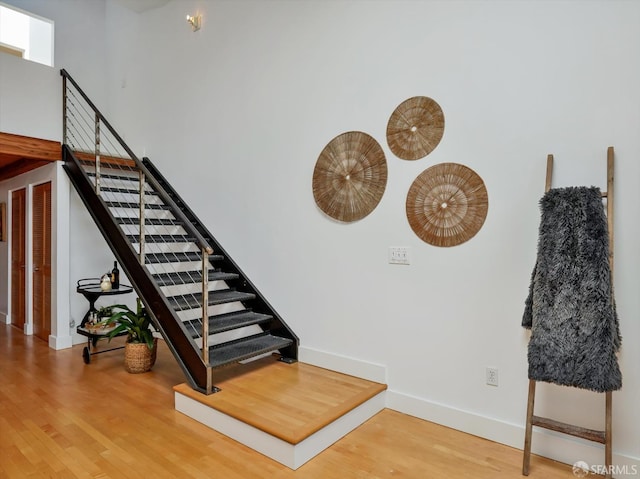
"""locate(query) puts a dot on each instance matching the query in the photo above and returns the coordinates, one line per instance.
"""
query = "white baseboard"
(556, 446)
(55, 342)
(343, 364)
(60, 342)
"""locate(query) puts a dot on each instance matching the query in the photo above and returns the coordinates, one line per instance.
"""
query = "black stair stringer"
(277, 325)
(178, 340)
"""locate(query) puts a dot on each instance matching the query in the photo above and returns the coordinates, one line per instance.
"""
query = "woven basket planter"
(138, 358)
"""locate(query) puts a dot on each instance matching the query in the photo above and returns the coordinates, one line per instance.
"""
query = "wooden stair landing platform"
(289, 412)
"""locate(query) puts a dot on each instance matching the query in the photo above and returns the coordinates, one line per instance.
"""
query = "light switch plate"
(399, 255)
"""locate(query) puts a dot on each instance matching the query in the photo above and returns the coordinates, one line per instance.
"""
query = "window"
(26, 35)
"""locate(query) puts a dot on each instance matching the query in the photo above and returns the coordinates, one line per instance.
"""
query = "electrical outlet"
(398, 255)
(492, 376)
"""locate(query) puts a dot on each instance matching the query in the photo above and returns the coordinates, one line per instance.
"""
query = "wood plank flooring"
(60, 418)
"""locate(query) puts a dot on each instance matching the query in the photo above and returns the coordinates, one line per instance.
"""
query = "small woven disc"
(447, 204)
(350, 176)
(415, 128)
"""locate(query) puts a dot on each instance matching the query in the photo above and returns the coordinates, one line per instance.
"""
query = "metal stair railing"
(158, 232)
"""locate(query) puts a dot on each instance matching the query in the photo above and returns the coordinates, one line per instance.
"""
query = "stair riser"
(223, 337)
(192, 277)
(193, 288)
(168, 239)
(181, 303)
(152, 230)
(230, 321)
(131, 214)
(215, 310)
(132, 200)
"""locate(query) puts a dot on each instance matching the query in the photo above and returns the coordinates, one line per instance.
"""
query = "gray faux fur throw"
(570, 308)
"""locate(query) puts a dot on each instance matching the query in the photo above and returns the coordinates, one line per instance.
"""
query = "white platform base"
(291, 455)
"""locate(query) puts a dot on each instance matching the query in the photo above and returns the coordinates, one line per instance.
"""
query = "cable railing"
(174, 253)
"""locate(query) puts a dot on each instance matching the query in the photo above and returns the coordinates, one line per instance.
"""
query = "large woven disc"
(350, 176)
(447, 204)
(415, 128)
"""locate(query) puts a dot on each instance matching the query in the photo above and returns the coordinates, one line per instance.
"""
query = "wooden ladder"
(603, 437)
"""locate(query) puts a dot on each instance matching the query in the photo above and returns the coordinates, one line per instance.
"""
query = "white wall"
(80, 42)
(30, 99)
(31, 105)
(237, 114)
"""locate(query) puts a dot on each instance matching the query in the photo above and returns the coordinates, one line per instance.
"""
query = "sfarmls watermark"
(582, 469)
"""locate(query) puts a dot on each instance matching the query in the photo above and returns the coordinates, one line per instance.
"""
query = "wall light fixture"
(194, 21)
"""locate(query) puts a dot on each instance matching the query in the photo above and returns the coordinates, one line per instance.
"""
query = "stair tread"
(245, 348)
(223, 296)
(127, 220)
(179, 238)
(133, 191)
(131, 205)
(227, 322)
(178, 257)
(134, 178)
(122, 162)
(110, 169)
(190, 277)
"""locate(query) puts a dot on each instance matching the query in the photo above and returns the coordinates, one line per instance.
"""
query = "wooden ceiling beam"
(19, 146)
(19, 154)
(20, 166)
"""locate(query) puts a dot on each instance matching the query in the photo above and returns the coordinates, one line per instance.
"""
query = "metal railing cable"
(166, 242)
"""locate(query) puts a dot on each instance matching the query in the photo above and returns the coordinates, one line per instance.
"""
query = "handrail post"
(205, 305)
(141, 222)
(205, 316)
(97, 150)
(64, 110)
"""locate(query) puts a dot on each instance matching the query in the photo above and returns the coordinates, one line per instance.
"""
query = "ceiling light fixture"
(194, 21)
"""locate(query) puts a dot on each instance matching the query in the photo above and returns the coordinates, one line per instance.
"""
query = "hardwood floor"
(60, 418)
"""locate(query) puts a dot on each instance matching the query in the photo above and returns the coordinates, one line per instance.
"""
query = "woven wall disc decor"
(415, 128)
(350, 176)
(447, 204)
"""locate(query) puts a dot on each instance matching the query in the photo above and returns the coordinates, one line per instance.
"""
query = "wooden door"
(41, 252)
(18, 257)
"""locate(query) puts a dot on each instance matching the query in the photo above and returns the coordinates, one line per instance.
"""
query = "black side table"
(90, 289)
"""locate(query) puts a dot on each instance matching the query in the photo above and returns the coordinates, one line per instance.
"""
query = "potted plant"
(140, 347)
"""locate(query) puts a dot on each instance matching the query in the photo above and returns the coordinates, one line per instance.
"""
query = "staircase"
(205, 307)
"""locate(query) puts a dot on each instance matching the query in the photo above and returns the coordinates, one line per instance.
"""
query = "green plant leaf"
(137, 325)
